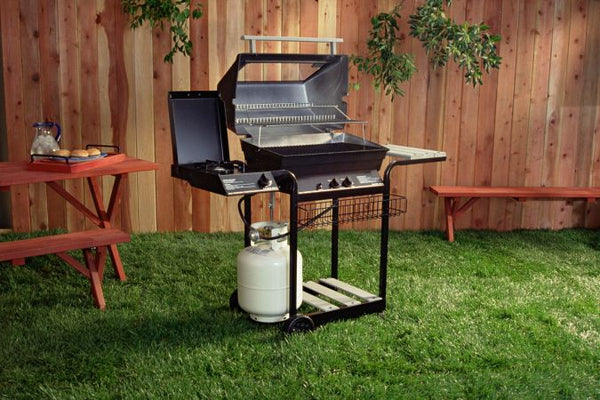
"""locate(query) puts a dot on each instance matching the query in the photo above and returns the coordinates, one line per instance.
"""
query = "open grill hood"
(295, 123)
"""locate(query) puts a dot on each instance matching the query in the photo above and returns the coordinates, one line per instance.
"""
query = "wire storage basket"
(351, 209)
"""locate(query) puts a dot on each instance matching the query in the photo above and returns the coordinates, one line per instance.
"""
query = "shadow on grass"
(541, 239)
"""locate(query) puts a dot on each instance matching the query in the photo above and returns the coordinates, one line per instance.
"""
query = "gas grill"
(293, 140)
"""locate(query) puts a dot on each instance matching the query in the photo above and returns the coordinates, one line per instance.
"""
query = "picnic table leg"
(106, 217)
(103, 216)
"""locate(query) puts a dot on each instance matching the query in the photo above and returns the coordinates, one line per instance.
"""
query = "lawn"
(493, 315)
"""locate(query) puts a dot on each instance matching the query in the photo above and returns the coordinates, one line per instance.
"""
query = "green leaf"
(442, 38)
(159, 13)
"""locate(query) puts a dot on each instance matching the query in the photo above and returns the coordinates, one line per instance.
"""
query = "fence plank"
(570, 108)
(365, 104)
(32, 100)
(556, 85)
(17, 140)
(144, 128)
(487, 110)
(416, 132)
(309, 17)
(451, 117)
(504, 110)
(590, 125)
(165, 208)
(468, 122)
(71, 96)
(538, 108)
(88, 56)
(199, 80)
(400, 119)
(49, 80)
(521, 100)
(586, 74)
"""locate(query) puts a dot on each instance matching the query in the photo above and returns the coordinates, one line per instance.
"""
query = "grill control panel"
(349, 181)
(248, 183)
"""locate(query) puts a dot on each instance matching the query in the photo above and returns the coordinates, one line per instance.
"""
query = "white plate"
(84, 159)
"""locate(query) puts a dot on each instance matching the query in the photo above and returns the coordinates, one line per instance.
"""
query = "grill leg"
(293, 310)
(248, 216)
(335, 238)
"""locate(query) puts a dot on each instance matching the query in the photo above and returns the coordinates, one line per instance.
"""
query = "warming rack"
(303, 114)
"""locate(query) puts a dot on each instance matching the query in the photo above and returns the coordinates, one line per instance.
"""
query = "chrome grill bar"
(287, 120)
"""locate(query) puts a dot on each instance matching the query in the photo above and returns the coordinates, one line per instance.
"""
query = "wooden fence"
(534, 122)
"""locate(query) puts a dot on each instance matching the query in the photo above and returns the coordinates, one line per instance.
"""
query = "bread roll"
(93, 151)
(79, 153)
(62, 153)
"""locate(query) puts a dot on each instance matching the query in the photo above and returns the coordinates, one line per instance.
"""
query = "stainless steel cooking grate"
(309, 149)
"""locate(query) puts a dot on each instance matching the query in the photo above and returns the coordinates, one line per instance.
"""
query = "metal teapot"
(44, 142)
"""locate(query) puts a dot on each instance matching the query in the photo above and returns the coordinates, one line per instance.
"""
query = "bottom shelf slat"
(353, 290)
(332, 294)
(318, 302)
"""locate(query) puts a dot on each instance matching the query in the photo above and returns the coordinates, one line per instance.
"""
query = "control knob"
(347, 182)
(334, 183)
(263, 181)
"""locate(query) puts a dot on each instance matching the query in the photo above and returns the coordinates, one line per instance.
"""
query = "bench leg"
(102, 217)
(106, 216)
(453, 211)
(95, 277)
(448, 205)
(93, 271)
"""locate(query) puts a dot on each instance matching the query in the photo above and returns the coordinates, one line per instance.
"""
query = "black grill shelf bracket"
(352, 209)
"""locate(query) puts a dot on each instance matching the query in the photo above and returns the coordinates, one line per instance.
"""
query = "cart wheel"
(299, 323)
(234, 305)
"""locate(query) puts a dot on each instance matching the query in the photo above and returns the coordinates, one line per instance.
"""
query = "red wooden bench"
(454, 206)
(99, 239)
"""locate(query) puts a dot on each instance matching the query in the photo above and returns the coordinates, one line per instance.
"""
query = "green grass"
(493, 315)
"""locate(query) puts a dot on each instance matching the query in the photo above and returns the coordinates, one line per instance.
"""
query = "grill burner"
(221, 167)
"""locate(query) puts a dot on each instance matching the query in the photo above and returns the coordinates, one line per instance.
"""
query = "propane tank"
(263, 274)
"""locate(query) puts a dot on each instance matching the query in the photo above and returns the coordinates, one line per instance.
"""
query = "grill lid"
(308, 99)
(198, 129)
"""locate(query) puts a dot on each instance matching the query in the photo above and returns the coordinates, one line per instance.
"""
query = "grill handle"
(253, 38)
